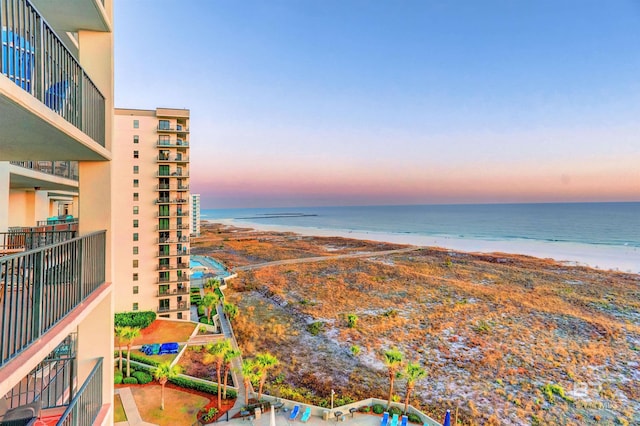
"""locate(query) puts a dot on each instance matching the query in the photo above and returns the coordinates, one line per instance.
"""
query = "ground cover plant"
(181, 407)
(504, 339)
(162, 331)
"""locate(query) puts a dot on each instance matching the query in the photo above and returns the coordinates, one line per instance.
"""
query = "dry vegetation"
(507, 339)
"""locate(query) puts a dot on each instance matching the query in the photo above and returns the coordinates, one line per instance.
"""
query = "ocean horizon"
(605, 235)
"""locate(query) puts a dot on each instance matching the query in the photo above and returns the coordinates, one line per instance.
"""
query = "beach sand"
(614, 258)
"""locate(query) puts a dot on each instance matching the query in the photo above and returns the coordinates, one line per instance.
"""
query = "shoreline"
(611, 258)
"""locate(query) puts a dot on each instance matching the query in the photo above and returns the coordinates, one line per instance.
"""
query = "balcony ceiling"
(43, 181)
(31, 131)
(74, 15)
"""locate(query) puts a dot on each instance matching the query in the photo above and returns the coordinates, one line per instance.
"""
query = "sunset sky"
(338, 102)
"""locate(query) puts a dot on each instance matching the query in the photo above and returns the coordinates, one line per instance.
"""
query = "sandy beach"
(614, 258)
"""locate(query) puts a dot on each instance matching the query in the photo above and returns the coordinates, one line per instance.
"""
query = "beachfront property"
(56, 291)
(151, 221)
(195, 215)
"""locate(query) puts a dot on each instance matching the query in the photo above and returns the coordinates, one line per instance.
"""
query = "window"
(135, 306)
(135, 289)
(135, 223)
(136, 196)
(135, 249)
(136, 138)
(136, 183)
(136, 124)
(135, 263)
(135, 276)
(136, 209)
(135, 236)
(136, 170)
(164, 125)
(136, 154)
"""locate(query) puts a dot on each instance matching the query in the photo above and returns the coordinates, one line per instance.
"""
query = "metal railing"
(28, 240)
(180, 306)
(175, 159)
(170, 143)
(173, 292)
(33, 56)
(178, 128)
(65, 169)
(173, 253)
(86, 404)
(38, 288)
(172, 174)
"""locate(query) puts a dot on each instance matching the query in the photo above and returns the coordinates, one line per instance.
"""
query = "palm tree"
(264, 362)
(215, 354)
(163, 373)
(249, 375)
(412, 372)
(210, 301)
(119, 335)
(229, 356)
(393, 361)
(230, 310)
(129, 335)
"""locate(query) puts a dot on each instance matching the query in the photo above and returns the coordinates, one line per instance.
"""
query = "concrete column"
(40, 206)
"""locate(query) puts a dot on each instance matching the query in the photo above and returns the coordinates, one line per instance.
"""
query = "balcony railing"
(174, 292)
(172, 174)
(86, 404)
(171, 240)
(34, 57)
(180, 306)
(170, 267)
(165, 200)
(173, 159)
(39, 288)
(167, 187)
(172, 143)
(173, 253)
(179, 128)
(65, 169)
(14, 242)
(181, 279)
(70, 221)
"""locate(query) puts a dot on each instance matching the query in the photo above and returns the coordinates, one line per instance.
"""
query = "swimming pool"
(214, 266)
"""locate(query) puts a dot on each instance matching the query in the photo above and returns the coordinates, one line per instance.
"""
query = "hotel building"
(195, 215)
(151, 223)
(56, 291)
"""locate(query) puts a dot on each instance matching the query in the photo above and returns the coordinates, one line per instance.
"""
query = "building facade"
(152, 221)
(56, 291)
(195, 215)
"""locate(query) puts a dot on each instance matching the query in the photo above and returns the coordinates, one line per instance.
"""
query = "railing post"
(38, 288)
(80, 275)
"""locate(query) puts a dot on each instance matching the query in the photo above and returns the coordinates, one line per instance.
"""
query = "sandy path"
(324, 258)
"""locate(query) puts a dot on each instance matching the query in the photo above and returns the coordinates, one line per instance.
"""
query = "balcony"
(167, 187)
(65, 169)
(181, 279)
(172, 174)
(172, 240)
(180, 306)
(184, 252)
(172, 143)
(166, 200)
(35, 59)
(39, 288)
(174, 292)
(172, 267)
(30, 239)
(173, 129)
(172, 158)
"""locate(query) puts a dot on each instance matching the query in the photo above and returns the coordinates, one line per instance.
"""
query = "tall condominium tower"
(56, 262)
(195, 215)
(151, 226)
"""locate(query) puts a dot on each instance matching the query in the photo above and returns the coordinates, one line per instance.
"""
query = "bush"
(143, 359)
(141, 319)
(199, 386)
(205, 320)
(414, 418)
(130, 381)
(315, 328)
(352, 320)
(200, 310)
(364, 409)
(395, 410)
(142, 377)
(210, 414)
(117, 378)
(378, 408)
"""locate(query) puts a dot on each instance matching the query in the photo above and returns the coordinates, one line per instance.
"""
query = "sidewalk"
(130, 409)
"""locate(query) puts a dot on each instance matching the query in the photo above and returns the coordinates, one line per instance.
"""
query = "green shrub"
(141, 319)
(391, 313)
(143, 359)
(315, 328)
(378, 408)
(200, 310)
(395, 410)
(414, 418)
(142, 377)
(183, 382)
(205, 320)
(117, 378)
(364, 409)
(130, 381)
(210, 414)
(352, 320)
(355, 350)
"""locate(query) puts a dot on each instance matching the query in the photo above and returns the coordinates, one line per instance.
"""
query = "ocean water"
(599, 224)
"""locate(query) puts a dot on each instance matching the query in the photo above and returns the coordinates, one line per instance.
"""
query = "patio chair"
(306, 415)
(404, 421)
(385, 419)
(22, 415)
(394, 420)
(56, 96)
(294, 412)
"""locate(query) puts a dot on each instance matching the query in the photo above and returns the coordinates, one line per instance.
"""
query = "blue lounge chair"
(404, 421)
(294, 412)
(385, 419)
(18, 58)
(169, 348)
(56, 96)
(394, 420)
(306, 415)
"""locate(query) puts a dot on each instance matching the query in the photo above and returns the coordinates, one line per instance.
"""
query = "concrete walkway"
(130, 409)
(324, 258)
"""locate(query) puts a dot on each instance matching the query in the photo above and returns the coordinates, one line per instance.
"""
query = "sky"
(348, 102)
